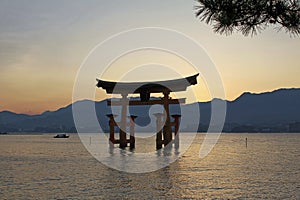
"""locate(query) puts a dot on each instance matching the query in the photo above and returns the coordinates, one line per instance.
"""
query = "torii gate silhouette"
(163, 136)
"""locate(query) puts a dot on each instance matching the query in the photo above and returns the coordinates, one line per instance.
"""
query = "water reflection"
(42, 167)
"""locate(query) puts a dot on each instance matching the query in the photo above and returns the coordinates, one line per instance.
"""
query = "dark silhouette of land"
(276, 111)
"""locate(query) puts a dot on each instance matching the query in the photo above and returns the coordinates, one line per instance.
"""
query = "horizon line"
(245, 92)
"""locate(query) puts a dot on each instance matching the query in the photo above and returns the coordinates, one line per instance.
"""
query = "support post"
(167, 127)
(132, 137)
(158, 130)
(176, 130)
(112, 124)
(123, 140)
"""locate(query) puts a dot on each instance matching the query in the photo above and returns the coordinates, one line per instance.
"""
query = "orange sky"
(43, 46)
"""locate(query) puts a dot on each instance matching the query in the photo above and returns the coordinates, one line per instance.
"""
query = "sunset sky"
(43, 43)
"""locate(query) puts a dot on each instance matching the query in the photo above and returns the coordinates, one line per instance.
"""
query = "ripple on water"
(38, 166)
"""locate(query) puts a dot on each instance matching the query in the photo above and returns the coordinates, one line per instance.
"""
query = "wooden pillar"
(167, 132)
(176, 129)
(123, 140)
(112, 124)
(132, 137)
(158, 130)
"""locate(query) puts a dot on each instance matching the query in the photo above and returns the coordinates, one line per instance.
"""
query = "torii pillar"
(132, 137)
(112, 125)
(167, 132)
(159, 128)
(176, 129)
(123, 140)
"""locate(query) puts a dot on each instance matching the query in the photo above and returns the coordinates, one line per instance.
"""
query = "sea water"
(41, 167)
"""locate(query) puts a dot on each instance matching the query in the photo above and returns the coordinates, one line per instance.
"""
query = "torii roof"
(175, 85)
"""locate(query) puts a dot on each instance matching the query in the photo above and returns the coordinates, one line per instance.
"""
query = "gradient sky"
(43, 43)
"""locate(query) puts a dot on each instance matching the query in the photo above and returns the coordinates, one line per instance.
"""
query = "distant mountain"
(280, 106)
(266, 112)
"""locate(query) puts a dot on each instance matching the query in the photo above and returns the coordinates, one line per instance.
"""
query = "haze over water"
(41, 167)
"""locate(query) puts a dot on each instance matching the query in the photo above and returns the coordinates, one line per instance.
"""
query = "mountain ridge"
(278, 108)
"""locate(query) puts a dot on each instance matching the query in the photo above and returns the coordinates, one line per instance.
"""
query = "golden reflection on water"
(38, 166)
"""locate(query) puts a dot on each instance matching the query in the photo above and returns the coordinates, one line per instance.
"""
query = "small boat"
(61, 135)
(3, 133)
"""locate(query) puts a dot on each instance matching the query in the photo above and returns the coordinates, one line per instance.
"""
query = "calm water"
(41, 167)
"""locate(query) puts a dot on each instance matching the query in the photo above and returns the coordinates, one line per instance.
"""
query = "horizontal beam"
(150, 102)
(118, 141)
(128, 124)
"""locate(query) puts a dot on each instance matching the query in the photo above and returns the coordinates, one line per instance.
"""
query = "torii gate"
(145, 89)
